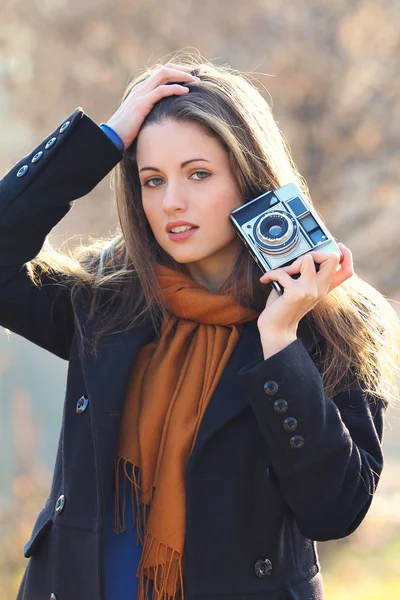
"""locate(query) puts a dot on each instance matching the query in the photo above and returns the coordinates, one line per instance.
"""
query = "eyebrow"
(186, 162)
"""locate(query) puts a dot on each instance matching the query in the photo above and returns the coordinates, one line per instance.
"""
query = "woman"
(212, 430)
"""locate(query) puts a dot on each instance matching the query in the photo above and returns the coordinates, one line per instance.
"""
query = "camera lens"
(276, 232)
(273, 228)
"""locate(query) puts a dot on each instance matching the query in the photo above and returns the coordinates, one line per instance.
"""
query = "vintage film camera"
(279, 226)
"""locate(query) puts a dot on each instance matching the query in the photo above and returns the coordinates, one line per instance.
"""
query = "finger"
(328, 265)
(180, 67)
(347, 254)
(307, 266)
(295, 267)
(346, 269)
(165, 74)
(326, 274)
(278, 275)
(341, 253)
(167, 90)
(321, 256)
(303, 266)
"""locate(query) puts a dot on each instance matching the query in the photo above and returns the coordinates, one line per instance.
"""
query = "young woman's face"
(185, 176)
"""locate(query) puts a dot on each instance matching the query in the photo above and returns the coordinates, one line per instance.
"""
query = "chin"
(187, 258)
(186, 255)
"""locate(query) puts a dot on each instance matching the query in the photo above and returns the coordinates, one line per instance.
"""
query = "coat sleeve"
(325, 454)
(34, 196)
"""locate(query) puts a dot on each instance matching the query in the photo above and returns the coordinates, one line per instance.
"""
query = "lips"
(183, 235)
(174, 224)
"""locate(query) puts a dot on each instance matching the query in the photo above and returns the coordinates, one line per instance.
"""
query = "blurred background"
(331, 71)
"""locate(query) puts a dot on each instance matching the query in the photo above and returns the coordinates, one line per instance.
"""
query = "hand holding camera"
(298, 256)
(279, 320)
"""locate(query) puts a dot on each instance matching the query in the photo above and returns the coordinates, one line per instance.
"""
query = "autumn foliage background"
(331, 71)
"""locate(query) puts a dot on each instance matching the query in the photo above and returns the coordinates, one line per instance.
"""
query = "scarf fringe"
(161, 574)
(139, 509)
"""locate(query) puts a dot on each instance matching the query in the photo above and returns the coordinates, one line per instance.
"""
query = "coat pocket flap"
(41, 527)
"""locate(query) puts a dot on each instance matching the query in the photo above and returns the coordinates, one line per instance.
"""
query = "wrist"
(118, 130)
(273, 342)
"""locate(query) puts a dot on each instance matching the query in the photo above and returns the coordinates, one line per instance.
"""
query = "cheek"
(150, 214)
(223, 205)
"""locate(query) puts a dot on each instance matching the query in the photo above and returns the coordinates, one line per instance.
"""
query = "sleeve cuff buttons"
(64, 126)
(21, 172)
(49, 144)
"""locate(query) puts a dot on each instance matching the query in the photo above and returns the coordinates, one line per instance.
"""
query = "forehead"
(176, 139)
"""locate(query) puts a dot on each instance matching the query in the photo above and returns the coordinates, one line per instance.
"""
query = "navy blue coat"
(276, 464)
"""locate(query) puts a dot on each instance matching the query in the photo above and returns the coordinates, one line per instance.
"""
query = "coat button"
(53, 597)
(37, 156)
(296, 442)
(280, 406)
(60, 504)
(271, 474)
(81, 405)
(50, 143)
(64, 126)
(263, 568)
(270, 388)
(290, 424)
(22, 171)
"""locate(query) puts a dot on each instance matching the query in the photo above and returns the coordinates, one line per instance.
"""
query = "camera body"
(279, 226)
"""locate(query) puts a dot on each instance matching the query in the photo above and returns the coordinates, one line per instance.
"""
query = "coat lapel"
(107, 375)
(228, 399)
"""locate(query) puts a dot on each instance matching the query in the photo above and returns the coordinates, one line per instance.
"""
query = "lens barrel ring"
(280, 244)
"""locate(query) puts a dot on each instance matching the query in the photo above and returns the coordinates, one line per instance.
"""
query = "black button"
(296, 442)
(271, 388)
(60, 504)
(280, 406)
(53, 597)
(81, 405)
(290, 424)
(263, 568)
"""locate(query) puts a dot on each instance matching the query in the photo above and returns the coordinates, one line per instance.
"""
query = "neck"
(211, 272)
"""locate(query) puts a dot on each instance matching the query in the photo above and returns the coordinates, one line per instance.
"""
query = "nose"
(174, 198)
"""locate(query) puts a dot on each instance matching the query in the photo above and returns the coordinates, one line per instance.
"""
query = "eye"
(147, 183)
(206, 173)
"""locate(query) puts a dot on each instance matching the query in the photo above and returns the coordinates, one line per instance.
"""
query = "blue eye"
(152, 179)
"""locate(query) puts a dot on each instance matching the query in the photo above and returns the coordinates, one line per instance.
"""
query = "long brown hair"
(361, 330)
